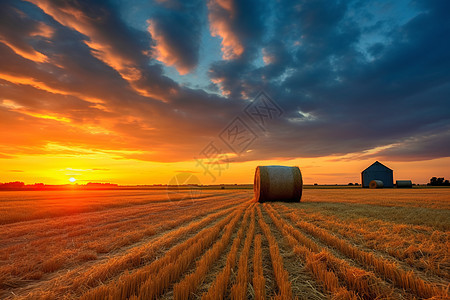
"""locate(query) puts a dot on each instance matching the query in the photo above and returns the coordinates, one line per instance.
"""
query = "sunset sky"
(135, 92)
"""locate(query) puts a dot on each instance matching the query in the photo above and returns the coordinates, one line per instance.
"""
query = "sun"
(71, 179)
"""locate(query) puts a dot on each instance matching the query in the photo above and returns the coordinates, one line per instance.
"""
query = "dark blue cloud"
(248, 24)
(344, 98)
(179, 27)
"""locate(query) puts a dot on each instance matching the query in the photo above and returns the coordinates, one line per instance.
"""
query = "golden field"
(140, 244)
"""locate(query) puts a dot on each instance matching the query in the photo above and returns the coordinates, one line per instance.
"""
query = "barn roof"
(377, 164)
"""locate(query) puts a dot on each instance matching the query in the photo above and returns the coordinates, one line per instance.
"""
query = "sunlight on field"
(425, 197)
(141, 244)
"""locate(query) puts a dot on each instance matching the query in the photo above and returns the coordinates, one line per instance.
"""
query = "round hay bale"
(278, 183)
(376, 184)
(403, 184)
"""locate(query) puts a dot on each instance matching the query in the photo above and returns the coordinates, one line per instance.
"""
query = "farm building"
(378, 171)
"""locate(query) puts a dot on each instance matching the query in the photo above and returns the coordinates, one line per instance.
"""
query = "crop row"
(151, 280)
(181, 260)
(218, 288)
(82, 278)
(280, 273)
(328, 268)
(322, 264)
(185, 288)
(391, 272)
(33, 256)
(259, 283)
(239, 289)
(424, 198)
(423, 251)
(44, 205)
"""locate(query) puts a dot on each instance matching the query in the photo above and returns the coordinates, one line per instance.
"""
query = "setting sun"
(71, 179)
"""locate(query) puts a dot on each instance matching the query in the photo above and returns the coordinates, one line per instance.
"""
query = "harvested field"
(139, 244)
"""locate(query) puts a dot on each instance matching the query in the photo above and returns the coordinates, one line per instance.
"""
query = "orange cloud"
(164, 52)
(106, 53)
(30, 132)
(20, 80)
(17, 37)
(32, 82)
(29, 53)
(101, 49)
(267, 58)
(13, 106)
(121, 51)
(219, 81)
(220, 14)
(48, 117)
(43, 30)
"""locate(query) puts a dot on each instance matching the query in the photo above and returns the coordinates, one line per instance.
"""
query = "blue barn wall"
(377, 171)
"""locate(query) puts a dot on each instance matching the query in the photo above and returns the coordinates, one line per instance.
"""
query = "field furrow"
(326, 268)
(239, 289)
(281, 275)
(219, 287)
(153, 286)
(185, 288)
(224, 245)
(151, 280)
(418, 246)
(390, 271)
(94, 274)
(259, 283)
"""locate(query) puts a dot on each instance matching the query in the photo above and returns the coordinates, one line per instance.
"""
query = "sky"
(139, 92)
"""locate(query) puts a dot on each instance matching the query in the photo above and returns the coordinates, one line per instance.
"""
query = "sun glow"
(71, 179)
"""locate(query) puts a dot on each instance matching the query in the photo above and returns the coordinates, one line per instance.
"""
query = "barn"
(377, 171)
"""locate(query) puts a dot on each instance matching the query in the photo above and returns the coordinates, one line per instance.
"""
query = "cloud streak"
(221, 14)
(176, 31)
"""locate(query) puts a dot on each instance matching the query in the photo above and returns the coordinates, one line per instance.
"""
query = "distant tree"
(350, 183)
(356, 183)
(433, 181)
(12, 185)
(438, 181)
(315, 183)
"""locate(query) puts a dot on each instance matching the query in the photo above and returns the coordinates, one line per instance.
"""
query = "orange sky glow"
(108, 167)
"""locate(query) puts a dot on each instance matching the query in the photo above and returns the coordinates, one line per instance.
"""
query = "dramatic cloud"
(237, 23)
(177, 33)
(21, 37)
(352, 78)
(111, 41)
(221, 14)
(339, 97)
